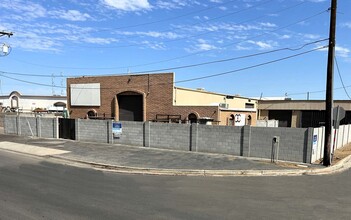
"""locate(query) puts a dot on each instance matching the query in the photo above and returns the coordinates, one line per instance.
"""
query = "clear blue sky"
(238, 42)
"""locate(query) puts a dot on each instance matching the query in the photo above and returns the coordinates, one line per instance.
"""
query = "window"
(249, 105)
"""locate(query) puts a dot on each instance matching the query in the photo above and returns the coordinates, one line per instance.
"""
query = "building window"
(249, 105)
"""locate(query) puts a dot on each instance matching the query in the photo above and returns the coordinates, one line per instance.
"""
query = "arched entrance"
(192, 118)
(92, 114)
(14, 102)
(130, 106)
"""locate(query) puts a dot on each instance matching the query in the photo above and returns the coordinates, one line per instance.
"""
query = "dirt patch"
(341, 153)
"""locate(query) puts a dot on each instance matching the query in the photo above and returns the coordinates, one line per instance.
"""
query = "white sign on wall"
(85, 94)
(239, 119)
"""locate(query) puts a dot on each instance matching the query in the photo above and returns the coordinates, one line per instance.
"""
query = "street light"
(5, 50)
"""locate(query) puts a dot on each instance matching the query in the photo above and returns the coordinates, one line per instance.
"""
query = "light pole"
(5, 48)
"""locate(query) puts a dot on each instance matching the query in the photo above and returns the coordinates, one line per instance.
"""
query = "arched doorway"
(14, 102)
(192, 118)
(231, 120)
(130, 106)
(92, 114)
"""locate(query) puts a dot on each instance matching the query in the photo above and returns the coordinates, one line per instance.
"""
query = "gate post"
(194, 127)
(38, 126)
(18, 122)
(76, 121)
(56, 129)
(147, 133)
(109, 131)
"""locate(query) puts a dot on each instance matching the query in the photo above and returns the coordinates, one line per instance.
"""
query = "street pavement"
(142, 160)
(37, 188)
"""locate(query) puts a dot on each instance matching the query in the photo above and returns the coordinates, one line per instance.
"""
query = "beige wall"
(263, 114)
(184, 97)
(296, 119)
(225, 117)
(300, 104)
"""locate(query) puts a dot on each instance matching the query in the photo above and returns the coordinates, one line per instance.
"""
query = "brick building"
(153, 97)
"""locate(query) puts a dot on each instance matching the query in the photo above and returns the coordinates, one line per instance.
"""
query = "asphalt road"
(32, 188)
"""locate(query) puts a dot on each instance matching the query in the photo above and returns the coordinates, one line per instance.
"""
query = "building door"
(67, 128)
(284, 117)
(130, 106)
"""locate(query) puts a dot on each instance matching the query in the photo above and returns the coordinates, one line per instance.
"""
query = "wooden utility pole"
(329, 86)
(2, 33)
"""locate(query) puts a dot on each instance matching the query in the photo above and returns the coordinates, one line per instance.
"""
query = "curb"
(341, 166)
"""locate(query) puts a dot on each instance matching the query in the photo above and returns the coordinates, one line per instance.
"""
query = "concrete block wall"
(295, 144)
(219, 139)
(27, 126)
(132, 133)
(10, 125)
(2, 119)
(31, 126)
(48, 127)
(93, 130)
(170, 136)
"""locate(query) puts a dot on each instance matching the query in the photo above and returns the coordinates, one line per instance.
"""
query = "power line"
(323, 91)
(185, 66)
(193, 24)
(192, 54)
(197, 35)
(167, 19)
(196, 78)
(227, 45)
(342, 81)
(251, 67)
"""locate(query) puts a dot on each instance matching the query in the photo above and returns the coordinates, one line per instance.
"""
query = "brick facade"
(157, 95)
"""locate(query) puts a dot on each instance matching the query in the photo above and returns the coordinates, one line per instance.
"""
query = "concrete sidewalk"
(141, 160)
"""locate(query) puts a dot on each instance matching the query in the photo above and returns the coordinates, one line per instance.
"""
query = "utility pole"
(4, 48)
(329, 86)
(3, 33)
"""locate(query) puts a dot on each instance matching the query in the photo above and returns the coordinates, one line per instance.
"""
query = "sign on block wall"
(116, 129)
(239, 119)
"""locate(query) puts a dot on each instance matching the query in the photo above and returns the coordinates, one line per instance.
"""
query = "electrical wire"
(341, 80)
(197, 35)
(191, 54)
(185, 66)
(164, 20)
(180, 28)
(192, 79)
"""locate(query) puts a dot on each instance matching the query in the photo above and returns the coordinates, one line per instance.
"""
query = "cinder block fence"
(292, 144)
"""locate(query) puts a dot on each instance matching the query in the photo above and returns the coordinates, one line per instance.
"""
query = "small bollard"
(275, 149)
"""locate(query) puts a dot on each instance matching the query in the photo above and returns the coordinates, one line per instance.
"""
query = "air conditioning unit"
(223, 105)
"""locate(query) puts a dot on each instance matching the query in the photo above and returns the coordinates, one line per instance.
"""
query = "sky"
(252, 48)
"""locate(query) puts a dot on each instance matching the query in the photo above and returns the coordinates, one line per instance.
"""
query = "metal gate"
(67, 128)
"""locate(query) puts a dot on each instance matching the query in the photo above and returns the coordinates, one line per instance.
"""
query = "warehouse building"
(153, 97)
(300, 113)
